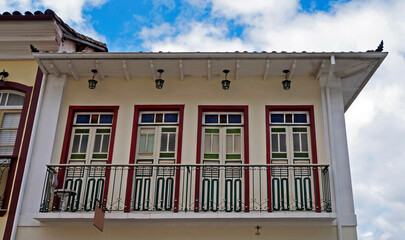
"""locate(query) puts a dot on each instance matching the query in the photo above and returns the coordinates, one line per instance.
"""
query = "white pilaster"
(43, 147)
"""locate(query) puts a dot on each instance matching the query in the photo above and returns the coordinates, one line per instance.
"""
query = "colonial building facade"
(20, 87)
(193, 145)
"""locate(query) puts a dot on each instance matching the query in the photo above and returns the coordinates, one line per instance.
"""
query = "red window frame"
(287, 108)
(137, 110)
(222, 108)
(17, 145)
(68, 134)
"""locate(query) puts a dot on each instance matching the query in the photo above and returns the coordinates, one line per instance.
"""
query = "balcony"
(5, 182)
(187, 188)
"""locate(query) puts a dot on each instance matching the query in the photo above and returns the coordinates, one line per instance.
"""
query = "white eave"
(353, 68)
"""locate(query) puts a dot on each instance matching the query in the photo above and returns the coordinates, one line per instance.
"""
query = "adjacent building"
(21, 84)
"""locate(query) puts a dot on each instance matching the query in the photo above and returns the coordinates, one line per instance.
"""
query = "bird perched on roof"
(380, 47)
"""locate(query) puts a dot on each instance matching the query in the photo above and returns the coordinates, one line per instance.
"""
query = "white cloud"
(375, 121)
(70, 11)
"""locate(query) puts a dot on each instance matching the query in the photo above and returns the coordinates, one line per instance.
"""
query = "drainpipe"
(28, 163)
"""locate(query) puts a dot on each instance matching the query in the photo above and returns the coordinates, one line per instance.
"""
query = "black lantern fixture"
(226, 83)
(3, 75)
(286, 82)
(93, 82)
(159, 82)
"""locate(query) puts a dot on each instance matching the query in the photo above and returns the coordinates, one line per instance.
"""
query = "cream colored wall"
(349, 233)
(24, 72)
(179, 232)
(254, 92)
(20, 71)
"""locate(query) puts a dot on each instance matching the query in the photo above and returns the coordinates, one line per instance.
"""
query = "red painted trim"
(24, 147)
(137, 110)
(310, 110)
(69, 125)
(222, 108)
(17, 145)
(68, 134)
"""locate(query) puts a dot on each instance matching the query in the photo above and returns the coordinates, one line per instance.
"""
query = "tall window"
(221, 184)
(157, 137)
(291, 147)
(90, 141)
(157, 141)
(11, 104)
(89, 138)
(223, 141)
(290, 138)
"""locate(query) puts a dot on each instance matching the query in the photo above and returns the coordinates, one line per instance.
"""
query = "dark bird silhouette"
(380, 47)
(33, 49)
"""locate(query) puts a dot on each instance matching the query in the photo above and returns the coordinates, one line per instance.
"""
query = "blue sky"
(122, 20)
(375, 121)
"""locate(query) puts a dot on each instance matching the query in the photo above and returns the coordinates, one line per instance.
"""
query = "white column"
(340, 154)
(42, 148)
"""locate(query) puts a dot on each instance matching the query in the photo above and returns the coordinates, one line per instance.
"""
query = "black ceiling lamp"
(3, 75)
(93, 82)
(226, 83)
(286, 82)
(159, 82)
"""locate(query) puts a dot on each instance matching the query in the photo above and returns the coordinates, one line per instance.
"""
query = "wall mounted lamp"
(226, 83)
(3, 75)
(159, 82)
(286, 83)
(93, 82)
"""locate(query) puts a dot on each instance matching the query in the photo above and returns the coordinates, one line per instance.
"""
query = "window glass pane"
(210, 118)
(3, 99)
(171, 117)
(223, 119)
(14, 99)
(7, 137)
(296, 142)
(142, 143)
(237, 143)
(76, 142)
(106, 142)
(83, 146)
(163, 142)
(288, 118)
(274, 142)
(172, 142)
(300, 118)
(97, 143)
(232, 118)
(283, 147)
(304, 142)
(207, 143)
(94, 118)
(151, 141)
(10, 120)
(159, 117)
(277, 118)
(106, 118)
(215, 143)
(83, 118)
(148, 118)
(229, 144)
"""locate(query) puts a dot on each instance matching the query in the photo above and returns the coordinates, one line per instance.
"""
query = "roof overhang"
(353, 68)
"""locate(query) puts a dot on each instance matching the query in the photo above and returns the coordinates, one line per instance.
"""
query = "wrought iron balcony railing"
(197, 188)
(5, 163)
